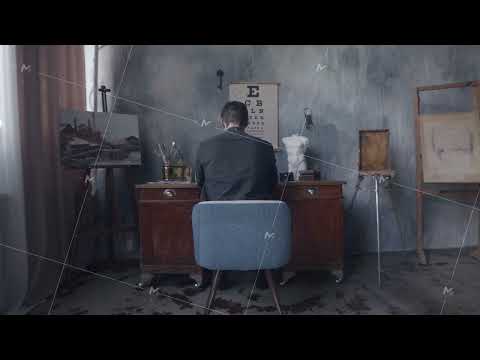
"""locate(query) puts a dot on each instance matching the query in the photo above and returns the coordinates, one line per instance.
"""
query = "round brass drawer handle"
(169, 193)
(311, 191)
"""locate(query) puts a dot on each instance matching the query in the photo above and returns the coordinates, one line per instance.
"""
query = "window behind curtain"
(89, 51)
(13, 262)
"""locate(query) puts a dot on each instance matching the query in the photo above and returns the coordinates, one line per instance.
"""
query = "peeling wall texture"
(361, 87)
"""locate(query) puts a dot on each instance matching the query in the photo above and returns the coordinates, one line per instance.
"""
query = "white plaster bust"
(296, 146)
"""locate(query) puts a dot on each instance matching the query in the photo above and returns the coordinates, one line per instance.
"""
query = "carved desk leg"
(198, 278)
(286, 277)
(421, 258)
(476, 253)
(338, 274)
(145, 279)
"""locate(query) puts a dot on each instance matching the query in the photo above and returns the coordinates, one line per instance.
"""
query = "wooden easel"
(374, 162)
(419, 165)
(114, 227)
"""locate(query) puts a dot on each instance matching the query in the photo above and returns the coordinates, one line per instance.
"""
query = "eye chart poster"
(261, 100)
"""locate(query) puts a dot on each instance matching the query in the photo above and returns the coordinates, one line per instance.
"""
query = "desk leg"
(145, 279)
(198, 278)
(476, 254)
(286, 277)
(338, 274)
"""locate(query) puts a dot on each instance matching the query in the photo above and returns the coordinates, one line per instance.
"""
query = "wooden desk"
(165, 215)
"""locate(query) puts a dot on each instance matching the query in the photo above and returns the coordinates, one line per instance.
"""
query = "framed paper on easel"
(450, 147)
(261, 99)
(447, 151)
(374, 154)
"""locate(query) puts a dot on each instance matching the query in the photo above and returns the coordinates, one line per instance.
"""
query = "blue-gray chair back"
(235, 235)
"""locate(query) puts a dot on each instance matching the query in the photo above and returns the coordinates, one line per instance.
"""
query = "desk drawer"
(313, 192)
(168, 194)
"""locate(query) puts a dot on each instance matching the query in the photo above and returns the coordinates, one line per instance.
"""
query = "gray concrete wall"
(362, 87)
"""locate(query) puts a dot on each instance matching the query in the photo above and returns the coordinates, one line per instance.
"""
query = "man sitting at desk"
(234, 165)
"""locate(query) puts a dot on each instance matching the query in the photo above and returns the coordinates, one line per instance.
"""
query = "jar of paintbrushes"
(174, 168)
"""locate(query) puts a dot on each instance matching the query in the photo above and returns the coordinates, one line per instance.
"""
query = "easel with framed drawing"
(447, 152)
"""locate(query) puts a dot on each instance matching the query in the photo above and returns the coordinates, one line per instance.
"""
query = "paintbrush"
(165, 151)
(161, 152)
(173, 152)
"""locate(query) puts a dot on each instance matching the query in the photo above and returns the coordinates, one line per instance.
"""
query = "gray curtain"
(13, 262)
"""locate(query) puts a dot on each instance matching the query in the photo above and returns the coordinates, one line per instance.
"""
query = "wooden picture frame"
(374, 152)
(420, 193)
(450, 146)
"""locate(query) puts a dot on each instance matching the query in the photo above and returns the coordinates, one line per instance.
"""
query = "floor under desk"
(407, 289)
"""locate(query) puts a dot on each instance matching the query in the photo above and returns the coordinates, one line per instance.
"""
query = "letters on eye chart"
(261, 100)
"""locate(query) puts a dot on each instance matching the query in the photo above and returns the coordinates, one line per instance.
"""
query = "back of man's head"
(235, 113)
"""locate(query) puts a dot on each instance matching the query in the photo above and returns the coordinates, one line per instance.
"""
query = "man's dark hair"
(235, 112)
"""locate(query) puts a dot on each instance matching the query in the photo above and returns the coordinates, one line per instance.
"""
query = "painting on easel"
(81, 135)
(374, 153)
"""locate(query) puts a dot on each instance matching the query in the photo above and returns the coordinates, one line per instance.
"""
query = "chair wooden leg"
(213, 290)
(271, 285)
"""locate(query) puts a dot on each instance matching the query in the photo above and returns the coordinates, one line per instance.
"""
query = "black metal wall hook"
(308, 118)
(220, 74)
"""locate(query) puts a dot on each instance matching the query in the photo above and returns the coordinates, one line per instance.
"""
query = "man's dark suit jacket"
(236, 166)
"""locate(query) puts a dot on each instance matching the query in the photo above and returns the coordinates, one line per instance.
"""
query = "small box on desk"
(309, 175)
(304, 175)
(286, 176)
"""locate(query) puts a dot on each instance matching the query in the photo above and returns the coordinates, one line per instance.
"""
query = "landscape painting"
(81, 134)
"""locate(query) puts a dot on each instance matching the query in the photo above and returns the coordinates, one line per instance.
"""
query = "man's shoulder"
(263, 141)
(211, 140)
(253, 139)
(228, 135)
(260, 143)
